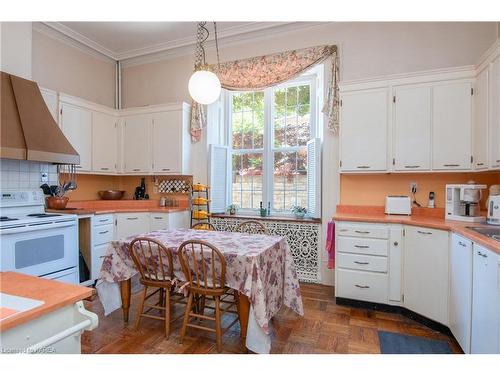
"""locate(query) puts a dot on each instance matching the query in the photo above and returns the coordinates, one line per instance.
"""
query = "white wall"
(15, 48)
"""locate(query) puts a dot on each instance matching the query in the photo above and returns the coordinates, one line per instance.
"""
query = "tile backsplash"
(23, 174)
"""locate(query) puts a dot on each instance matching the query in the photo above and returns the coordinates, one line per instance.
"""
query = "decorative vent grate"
(303, 239)
(174, 186)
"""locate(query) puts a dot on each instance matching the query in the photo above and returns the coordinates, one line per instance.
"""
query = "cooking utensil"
(111, 194)
(46, 189)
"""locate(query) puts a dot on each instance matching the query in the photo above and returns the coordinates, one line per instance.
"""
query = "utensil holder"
(57, 203)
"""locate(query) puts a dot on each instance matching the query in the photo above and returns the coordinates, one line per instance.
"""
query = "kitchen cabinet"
(104, 142)
(76, 124)
(485, 301)
(52, 101)
(158, 221)
(460, 306)
(480, 132)
(133, 223)
(412, 128)
(167, 142)
(425, 272)
(137, 143)
(364, 130)
(494, 81)
(179, 220)
(451, 126)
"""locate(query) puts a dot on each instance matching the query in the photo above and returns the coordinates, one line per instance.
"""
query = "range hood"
(28, 130)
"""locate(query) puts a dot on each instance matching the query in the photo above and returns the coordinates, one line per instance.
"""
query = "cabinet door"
(77, 127)
(178, 220)
(131, 224)
(51, 100)
(485, 311)
(98, 253)
(137, 144)
(364, 131)
(451, 126)
(167, 142)
(495, 114)
(461, 290)
(104, 142)
(412, 128)
(158, 221)
(480, 128)
(426, 272)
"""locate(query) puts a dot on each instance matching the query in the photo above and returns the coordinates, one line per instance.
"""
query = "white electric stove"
(35, 242)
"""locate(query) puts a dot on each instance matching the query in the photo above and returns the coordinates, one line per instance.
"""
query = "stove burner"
(43, 215)
(5, 218)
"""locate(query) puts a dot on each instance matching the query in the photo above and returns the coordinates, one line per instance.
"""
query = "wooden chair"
(251, 227)
(204, 268)
(204, 226)
(155, 264)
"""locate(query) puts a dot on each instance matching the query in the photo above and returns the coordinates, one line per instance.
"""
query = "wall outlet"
(44, 177)
(413, 187)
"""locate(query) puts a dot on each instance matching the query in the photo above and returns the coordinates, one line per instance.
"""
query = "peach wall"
(63, 68)
(371, 189)
(367, 49)
(89, 185)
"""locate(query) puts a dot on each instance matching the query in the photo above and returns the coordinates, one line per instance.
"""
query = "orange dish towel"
(330, 244)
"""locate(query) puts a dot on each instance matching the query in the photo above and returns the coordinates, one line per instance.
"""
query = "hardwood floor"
(325, 328)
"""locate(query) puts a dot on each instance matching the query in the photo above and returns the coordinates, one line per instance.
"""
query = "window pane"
(248, 120)
(304, 94)
(290, 179)
(258, 129)
(291, 95)
(247, 180)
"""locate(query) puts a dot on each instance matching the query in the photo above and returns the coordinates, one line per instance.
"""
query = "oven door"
(40, 249)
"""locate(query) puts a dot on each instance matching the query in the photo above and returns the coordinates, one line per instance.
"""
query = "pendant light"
(204, 85)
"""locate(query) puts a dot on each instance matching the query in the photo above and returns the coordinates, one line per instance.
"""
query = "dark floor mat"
(395, 343)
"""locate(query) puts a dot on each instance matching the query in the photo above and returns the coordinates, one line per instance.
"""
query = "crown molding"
(487, 57)
(49, 31)
(273, 29)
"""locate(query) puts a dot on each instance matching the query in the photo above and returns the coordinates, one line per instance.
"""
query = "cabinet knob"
(396, 243)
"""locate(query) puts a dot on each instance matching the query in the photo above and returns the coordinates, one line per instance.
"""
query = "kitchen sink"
(489, 232)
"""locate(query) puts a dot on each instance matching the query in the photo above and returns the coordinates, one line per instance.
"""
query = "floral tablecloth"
(258, 266)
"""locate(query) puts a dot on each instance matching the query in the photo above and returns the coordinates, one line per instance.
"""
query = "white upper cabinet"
(425, 272)
(76, 124)
(494, 82)
(137, 143)
(104, 142)
(480, 125)
(52, 101)
(167, 142)
(485, 337)
(363, 130)
(451, 126)
(412, 128)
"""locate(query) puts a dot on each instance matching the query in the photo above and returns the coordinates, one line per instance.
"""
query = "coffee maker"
(494, 205)
(462, 202)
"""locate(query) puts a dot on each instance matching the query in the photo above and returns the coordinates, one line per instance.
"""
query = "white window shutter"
(314, 178)
(218, 167)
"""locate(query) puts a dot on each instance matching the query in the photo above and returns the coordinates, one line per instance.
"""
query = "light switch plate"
(44, 177)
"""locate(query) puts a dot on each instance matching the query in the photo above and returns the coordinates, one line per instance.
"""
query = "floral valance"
(260, 72)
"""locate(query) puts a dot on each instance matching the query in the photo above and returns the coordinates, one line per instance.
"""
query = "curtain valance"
(258, 73)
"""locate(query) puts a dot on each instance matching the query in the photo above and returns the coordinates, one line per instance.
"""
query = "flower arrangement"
(299, 211)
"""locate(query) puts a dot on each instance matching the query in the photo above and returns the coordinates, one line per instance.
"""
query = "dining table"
(260, 267)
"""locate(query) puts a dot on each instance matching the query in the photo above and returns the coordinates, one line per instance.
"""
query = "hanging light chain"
(217, 45)
(202, 35)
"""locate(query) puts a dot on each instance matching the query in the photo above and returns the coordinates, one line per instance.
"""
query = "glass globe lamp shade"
(204, 87)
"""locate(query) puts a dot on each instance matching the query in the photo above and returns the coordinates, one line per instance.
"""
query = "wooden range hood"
(28, 130)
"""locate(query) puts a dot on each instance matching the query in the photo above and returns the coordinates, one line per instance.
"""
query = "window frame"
(268, 150)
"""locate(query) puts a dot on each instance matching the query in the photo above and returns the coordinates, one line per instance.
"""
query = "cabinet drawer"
(367, 246)
(103, 234)
(363, 286)
(158, 221)
(97, 259)
(103, 220)
(362, 262)
(360, 230)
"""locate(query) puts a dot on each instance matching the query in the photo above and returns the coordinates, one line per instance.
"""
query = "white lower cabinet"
(102, 228)
(461, 290)
(485, 337)
(425, 272)
(179, 220)
(158, 221)
(128, 224)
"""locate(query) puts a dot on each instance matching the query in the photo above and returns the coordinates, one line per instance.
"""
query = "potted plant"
(232, 208)
(299, 211)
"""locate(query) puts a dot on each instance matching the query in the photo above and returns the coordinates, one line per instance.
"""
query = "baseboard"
(398, 310)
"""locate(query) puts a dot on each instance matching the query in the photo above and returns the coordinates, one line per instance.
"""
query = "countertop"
(98, 207)
(54, 294)
(429, 218)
